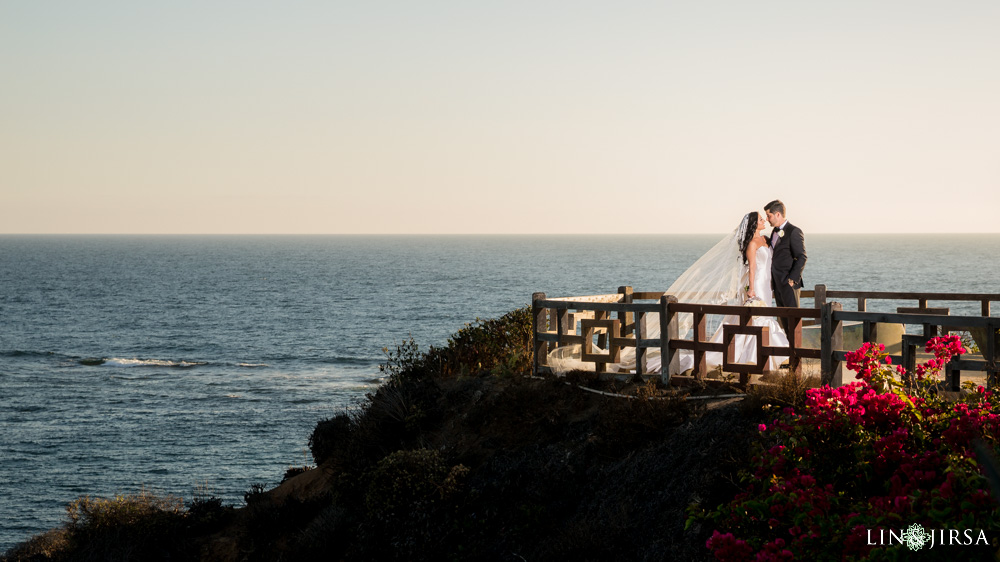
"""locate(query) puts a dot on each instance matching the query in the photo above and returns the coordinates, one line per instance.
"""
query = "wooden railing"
(820, 295)
(615, 321)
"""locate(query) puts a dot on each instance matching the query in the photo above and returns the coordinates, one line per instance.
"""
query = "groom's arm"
(798, 248)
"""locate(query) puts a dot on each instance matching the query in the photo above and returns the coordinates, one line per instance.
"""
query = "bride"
(755, 289)
(736, 271)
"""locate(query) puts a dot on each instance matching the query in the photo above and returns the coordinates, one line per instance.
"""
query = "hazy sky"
(498, 117)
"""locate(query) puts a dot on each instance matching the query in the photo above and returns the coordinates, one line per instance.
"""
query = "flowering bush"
(865, 456)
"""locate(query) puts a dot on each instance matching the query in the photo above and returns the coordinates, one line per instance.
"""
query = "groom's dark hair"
(775, 206)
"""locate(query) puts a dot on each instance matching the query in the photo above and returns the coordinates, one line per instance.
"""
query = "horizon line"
(613, 234)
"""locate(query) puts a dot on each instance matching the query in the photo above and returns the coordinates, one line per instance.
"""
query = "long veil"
(719, 276)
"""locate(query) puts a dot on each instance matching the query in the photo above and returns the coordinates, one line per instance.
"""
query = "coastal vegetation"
(461, 454)
(888, 455)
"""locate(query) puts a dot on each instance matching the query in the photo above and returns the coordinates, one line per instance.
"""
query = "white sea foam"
(122, 362)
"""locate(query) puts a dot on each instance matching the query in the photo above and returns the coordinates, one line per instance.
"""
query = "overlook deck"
(604, 325)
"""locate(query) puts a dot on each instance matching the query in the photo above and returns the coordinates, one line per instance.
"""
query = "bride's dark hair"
(750, 220)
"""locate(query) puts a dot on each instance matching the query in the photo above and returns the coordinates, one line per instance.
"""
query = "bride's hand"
(751, 294)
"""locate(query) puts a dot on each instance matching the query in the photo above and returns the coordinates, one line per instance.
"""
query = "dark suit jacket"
(789, 257)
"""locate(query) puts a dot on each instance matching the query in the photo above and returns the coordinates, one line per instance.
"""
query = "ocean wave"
(20, 353)
(252, 365)
(342, 360)
(124, 362)
(29, 408)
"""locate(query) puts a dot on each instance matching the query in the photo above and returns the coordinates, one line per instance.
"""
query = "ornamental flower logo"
(781, 234)
(915, 537)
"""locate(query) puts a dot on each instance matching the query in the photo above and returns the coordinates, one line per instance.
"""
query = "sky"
(458, 117)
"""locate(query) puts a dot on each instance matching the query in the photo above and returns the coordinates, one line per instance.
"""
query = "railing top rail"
(889, 295)
(612, 297)
(595, 305)
(903, 318)
(871, 295)
(680, 307)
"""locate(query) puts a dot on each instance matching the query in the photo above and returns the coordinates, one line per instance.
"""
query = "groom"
(788, 258)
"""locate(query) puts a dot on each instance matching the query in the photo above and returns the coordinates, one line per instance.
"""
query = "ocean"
(199, 365)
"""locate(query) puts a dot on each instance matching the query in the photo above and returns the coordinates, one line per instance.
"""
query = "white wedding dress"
(746, 346)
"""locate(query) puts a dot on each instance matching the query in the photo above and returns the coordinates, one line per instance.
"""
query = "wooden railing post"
(539, 319)
(795, 340)
(953, 375)
(627, 317)
(665, 339)
(831, 339)
(909, 354)
(700, 336)
(819, 296)
(562, 326)
(640, 351)
(673, 359)
(669, 362)
(990, 355)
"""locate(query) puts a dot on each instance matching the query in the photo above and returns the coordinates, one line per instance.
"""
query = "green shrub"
(625, 425)
(51, 545)
(788, 391)
(500, 346)
(294, 471)
(208, 513)
(134, 526)
(327, 435)
(405, 358)
(90, 514)
(406, 480)
(254, 494)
